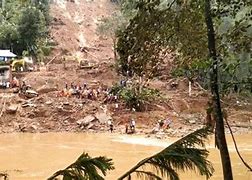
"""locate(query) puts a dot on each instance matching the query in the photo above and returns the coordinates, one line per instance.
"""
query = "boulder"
(91, 126)
(48, 102)
(103, 117)
(12, 109)
(86, 120)
(192, 121)
(28, 128)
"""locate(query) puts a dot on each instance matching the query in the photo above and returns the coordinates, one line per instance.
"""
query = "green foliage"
(135, 96)
(180, 27)
(23, 25)
(85, 168)
(196, 70)
(31, 27)
(183, 154)
(129, 8)
(234, 33)
(156, 29)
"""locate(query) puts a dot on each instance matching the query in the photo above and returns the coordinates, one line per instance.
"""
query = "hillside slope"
(74, 27)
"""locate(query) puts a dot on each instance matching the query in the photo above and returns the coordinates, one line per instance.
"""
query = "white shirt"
(133, 122)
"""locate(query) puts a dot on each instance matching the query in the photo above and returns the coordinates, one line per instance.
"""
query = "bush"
(135, 97)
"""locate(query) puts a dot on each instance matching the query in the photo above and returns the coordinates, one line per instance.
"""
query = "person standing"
(132, 125)
(111, 126)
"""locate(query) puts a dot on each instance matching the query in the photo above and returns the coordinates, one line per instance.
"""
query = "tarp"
(7, 53)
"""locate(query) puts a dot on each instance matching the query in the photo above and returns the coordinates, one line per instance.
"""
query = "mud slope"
(74, 27)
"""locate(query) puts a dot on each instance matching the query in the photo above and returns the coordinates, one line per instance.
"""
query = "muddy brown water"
(37, 156)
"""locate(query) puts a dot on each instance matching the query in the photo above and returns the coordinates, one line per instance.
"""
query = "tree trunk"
(220, 131)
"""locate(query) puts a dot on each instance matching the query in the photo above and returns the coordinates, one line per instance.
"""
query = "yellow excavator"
(24, 64)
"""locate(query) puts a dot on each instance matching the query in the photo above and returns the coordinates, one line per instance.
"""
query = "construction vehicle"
(86, 64)
(25, 64)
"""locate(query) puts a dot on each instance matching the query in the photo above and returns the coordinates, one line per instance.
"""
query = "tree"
(180, 27)
(85, 167)
(23, 25)
(220, 130)
(31, 27)
(187, 29)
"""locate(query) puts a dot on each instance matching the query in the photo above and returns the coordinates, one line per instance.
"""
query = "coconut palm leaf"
(85, 168)
(4, 175)
(188, 153)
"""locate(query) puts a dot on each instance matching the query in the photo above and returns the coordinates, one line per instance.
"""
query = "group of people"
(86, 92)
(164, 123)
(12, 84)
(130, 127)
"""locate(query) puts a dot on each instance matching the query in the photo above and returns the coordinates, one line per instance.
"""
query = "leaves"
(183, 154)
(178, 27)
(85, 167)
(23, 24)
(135, 95)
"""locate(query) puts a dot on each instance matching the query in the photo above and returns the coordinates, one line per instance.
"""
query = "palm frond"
(148, 175)
(4, 175)
(85, 167)
(188, 153)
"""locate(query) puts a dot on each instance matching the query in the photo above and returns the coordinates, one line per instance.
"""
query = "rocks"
(12, 109)
(103, 117)
(90, 126)
(154, 130)
(66, 103)
(27, 104)
(48, 102)
(86, 120)
(95, 122)
(192, 121)
(46, 89)
(28, 127)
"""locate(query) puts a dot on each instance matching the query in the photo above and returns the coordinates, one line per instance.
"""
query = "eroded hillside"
(74, 27)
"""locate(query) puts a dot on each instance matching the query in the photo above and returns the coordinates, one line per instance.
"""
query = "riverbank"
(50, 113)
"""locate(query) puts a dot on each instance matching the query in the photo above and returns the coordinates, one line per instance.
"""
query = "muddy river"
(37, 156)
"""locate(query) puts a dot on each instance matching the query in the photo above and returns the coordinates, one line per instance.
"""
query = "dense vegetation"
(24, 26)
(155, 28)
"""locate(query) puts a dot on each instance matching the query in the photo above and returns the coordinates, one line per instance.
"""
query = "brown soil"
(74, 26)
